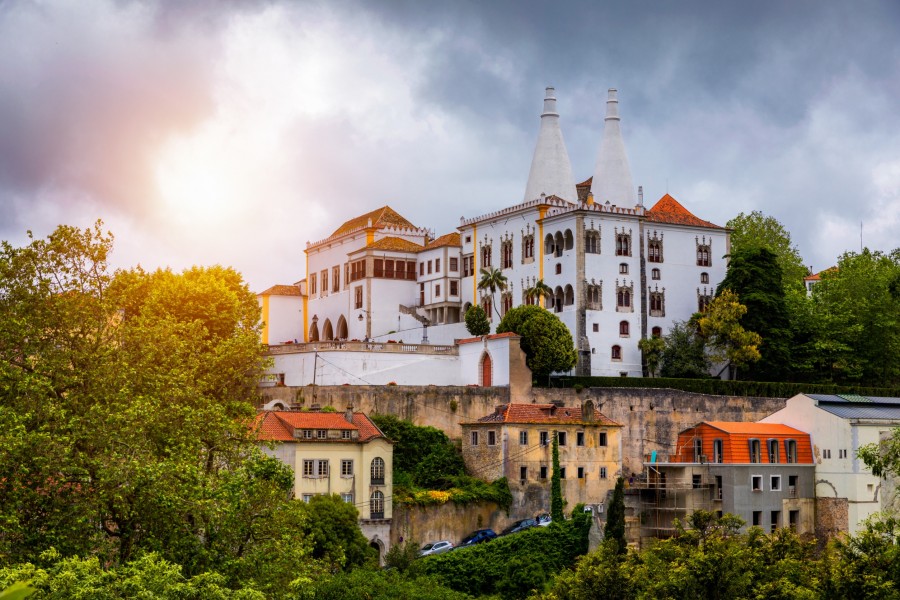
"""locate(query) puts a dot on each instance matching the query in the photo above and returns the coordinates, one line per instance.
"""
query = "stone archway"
(378, 545)
(486, 370)
(327, 331)
(342, 328)
(314, 332)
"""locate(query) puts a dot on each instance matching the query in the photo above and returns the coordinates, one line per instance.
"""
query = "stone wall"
(449, 521)
(832, 517)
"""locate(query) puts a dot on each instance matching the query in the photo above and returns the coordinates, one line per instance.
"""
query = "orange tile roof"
(450, 239)
(395, 244)
(754, 428)
(818, 276)
(490, 336)
(380, 217)
(669, 210)
(542, 413)
(281, 290)
(279, 425)
(586, 183)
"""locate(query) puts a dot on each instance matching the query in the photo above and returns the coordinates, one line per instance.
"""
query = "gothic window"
(487, 304)
(623, 299)
(654, 274)
(624, 328)
(654, 251)
(324, 277)
(592, 242)
(506, 302)
(616, 353)
(703, 301)
(704, 277)
(594, 301)
(336, 279)
(703, 255)
(506, 251)
(312, 284)
(658, 303)
(486, 255)
(528, 248)
(623, 244)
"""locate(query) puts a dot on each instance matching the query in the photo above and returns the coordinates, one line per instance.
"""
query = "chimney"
(348, 414)
(587, 411)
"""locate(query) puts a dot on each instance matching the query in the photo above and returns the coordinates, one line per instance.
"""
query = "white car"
(436, 548)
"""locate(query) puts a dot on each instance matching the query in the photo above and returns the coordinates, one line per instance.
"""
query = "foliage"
(485, 569)
(17, 591)
(556, 498)
(492, 279)
(754, 275)
(652, 349)
(864, 566)
(538, 291)
(720, 327)
(332, 529)
(615, 517)
(381, 585)
(759, 231)
(403, 557)
(546, 341)
(684, 354)
(476, 321)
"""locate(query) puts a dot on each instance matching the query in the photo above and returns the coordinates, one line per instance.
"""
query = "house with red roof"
(335, 453)
(761, 472)
(515, 441)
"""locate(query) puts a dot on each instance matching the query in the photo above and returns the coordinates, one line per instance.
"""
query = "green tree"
(615, 517)
(539, 291)
(652, 348)
(684, 354)
(755, 276)
(756, 230)
(492, 280)
(720, 327)
(546, 341)
(476, 321)
(332, 528)
(556, 497)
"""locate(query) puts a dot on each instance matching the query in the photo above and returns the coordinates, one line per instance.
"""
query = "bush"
(476, 321)
(546, 341)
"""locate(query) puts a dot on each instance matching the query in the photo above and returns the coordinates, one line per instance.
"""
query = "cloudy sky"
(232, 133)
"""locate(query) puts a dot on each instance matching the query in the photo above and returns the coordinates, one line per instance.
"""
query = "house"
(761, 472)
(618, 271)
(336, 453)
(515, 442)
(282, 313)
(839, 425)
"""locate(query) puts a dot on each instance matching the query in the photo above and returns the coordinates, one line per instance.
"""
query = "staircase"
(414, 313)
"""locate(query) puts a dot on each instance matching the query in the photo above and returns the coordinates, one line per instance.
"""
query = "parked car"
(520, 526)
(476, 537)
(543, 520)
(436, 548)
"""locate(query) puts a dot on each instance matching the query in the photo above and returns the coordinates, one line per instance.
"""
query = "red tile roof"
(380, 217)
(281, 290)
(760, 429)
(818, 276)
(450, 239)
(543, 413)
(735, 443)
(491, 336)
(394, 244)
(669, 210)
(279, 425)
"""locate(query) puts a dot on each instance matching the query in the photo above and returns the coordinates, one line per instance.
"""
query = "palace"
(615, 272)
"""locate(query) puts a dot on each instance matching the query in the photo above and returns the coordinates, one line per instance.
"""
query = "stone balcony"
(346, 346)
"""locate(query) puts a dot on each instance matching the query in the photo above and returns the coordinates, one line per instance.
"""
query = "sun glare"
(192, 179)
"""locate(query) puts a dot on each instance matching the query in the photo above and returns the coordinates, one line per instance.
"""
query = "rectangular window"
(602, 472)
(602, 438)
(324, 276)
(312, 284)
(580, 472)
(579, 438)
(775, 483)
(437, 265)
(411, 270)
(793, 519)
(335, 279)
(543, 471)
(308, 497)
(307, 434)
(492, 438)
(437, 291)
(429, 267)
(544, 437)
(718, 487)
(454, 287)
(523, 473)
(562, 472)
(321, 434)
(346, 468)
(454, 264)
(474, 438)
(308, 468)
(358, 297)
(755, 454)
(323, 468)
(757, 518)
(718, 453)
(756, 483)
(561, 437)
(775, 520)
(348, 498)
(346, 434)
(596, 327)
(696, 482)
(421, 269)
(523, 438)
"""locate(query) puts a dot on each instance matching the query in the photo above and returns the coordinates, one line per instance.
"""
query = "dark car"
(476, 537)
(520, 526)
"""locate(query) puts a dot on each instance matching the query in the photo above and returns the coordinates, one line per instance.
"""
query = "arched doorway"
(327, 331)
(487, 370)
(379, 547)
(342, 328)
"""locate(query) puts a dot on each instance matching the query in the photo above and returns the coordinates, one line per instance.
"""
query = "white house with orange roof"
(618, 271)
(282, 313)
(336, 453)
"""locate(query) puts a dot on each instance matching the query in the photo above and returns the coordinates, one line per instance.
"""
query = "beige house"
(515, 442)
(336, 453)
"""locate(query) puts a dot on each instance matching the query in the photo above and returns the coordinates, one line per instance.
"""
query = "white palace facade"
(618, 271)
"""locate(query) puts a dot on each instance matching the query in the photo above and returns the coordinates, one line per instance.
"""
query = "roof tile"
(669, 210)
(542, 413)
(279, 425)
(281, 290)
(380, 217)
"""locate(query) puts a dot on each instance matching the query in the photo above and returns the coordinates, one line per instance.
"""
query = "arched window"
(703, 255)
(377, 471)
(623, 268)
(327, 331)
(506, 252)
(548, 244)
(623, 244)
(376, 505)
(790, 451)
(654, 274)
(592, 242)
(704, 277)
(559, 243)
(570, 239)
(506, 302)
(486, 255)
(656, 332)
(528, 248)
(654, 251)
(487, 304)
(658, 304)
(623, 298)
(616, 352)
(594, 297)
(570, 295)
(487, 371)
(314, 331)
(623, 328)
(703, 301)
(559, 299)
(773, 450)
(718, 454)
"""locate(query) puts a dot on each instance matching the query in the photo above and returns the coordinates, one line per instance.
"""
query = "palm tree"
(492, 279)
(538, 290)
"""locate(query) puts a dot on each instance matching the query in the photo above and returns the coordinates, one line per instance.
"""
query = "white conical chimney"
(551, 171)
(612, 177)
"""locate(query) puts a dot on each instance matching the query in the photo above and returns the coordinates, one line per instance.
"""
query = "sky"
(234, 132)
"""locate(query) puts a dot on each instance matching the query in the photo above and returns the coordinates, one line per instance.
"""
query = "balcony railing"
(345, 346)
(376, 515)
(378, 481)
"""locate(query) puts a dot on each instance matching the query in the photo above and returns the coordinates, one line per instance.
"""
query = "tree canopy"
(477, 321)
(546, 341)
(757, 230)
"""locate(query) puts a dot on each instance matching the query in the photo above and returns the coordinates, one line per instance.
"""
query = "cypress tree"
(615, 517)
(556, 499)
